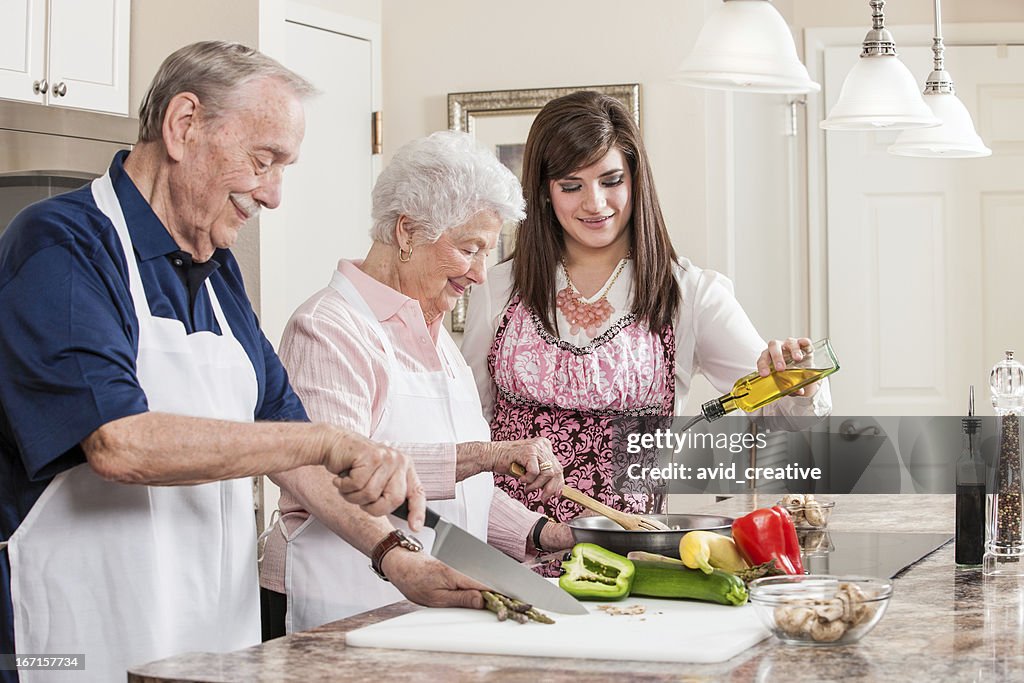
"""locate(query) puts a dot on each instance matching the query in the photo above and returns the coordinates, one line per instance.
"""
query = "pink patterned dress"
(584, 399)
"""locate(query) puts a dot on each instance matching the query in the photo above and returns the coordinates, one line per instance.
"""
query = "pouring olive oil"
(754, 391)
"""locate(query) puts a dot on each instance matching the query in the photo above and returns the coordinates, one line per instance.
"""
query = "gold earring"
(403, 256)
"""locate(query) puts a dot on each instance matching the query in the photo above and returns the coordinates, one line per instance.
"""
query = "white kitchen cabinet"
(66, 53)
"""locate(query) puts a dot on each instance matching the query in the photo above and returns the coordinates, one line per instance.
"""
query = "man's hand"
(373, 476)
(429, 582)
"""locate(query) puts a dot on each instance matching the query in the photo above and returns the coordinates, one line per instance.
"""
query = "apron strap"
(218, 312)
(342, 285)
(348, 291)
(106, 199)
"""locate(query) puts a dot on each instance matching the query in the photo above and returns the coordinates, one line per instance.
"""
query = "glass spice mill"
(1004, 547)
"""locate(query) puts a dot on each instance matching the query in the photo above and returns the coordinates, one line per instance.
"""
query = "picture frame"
(501, 119)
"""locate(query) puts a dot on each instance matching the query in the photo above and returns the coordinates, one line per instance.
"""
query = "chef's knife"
(466, 553)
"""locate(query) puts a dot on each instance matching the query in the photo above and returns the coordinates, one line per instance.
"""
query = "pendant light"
(956, 137)
(879, 92)
(746, 45)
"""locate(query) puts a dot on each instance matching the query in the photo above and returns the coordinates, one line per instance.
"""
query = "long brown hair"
(570, 133)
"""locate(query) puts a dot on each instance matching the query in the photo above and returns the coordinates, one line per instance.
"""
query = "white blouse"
(713, 336)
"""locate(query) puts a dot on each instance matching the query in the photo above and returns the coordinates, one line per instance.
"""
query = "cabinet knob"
(60, 89)
(39, 87)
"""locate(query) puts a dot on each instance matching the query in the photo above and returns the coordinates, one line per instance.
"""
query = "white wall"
(807, 13)
(444, 46)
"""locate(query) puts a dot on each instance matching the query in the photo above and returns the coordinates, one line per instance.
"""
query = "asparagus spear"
(510, 608)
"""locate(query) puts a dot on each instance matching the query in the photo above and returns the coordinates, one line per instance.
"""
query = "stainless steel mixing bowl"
(607, 534)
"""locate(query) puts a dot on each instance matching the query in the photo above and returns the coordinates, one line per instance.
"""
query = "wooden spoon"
(626, 520)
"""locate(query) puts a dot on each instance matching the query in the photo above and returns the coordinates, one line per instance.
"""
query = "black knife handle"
(402, 511)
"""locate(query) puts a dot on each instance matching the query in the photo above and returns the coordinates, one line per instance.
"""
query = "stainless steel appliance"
(48, 150)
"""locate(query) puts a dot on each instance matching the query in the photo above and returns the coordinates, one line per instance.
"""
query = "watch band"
(536, 533)
(395, 539)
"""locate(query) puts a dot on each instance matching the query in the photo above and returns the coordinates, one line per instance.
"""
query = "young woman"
(595, 319)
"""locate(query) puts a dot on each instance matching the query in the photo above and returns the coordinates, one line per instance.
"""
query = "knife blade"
(466, 553)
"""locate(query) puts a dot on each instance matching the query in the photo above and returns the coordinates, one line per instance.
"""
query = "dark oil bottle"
(970, 494)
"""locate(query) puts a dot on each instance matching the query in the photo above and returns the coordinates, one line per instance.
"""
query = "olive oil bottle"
(754, 391)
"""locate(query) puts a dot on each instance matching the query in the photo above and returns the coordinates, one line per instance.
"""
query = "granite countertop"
(943, 624)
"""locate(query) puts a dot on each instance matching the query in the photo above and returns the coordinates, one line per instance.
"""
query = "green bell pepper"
(593, 573)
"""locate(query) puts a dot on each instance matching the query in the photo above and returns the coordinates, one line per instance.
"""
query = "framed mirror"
(501, 120)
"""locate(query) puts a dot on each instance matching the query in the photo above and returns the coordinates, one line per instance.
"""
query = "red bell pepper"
(768, 535)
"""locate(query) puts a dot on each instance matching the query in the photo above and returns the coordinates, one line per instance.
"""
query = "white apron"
(327, 579)
(127, 574)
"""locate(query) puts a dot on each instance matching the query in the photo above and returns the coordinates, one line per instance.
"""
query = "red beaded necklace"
(580, 314)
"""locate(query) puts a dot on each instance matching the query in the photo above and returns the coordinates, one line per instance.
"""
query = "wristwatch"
(396, 539)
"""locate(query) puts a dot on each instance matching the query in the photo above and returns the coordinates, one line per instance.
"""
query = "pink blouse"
(337, 367)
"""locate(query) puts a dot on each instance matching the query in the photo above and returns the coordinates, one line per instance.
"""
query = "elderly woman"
(369, 352)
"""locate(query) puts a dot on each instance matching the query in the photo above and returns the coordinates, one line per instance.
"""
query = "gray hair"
(213, 70)
(440, 182)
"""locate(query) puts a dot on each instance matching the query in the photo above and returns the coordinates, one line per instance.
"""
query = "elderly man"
(132, 360)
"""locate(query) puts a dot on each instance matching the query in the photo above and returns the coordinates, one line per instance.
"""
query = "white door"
(22, 49)
(325, 212)
(924, 255)
(89, 54)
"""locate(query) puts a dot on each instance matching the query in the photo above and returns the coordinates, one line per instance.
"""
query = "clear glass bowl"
(820, 609)
(809, 515)
(815, 542)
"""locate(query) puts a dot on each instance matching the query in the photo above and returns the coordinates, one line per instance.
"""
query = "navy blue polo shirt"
(69, 338)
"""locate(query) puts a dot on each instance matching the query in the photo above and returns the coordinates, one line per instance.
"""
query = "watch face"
(408, 542)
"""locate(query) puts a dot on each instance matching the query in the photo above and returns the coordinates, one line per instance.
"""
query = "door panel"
(325, 209)
(22, 48)
(89, 54)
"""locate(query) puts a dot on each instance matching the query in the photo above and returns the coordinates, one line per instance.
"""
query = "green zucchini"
(665, 580)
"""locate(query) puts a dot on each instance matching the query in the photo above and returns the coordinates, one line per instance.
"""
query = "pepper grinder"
(970, 493)
(1004, 549)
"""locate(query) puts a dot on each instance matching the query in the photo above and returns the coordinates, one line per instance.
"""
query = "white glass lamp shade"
(955, 138)
(879, 92)
(746, 45)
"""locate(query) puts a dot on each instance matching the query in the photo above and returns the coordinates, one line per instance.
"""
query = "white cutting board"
(669, 631)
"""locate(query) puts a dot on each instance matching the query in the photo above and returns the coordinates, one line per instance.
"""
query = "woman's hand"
(556, 536)
(779, 353)
(543, 471)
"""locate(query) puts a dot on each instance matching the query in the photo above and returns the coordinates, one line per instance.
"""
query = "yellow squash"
(707, 551)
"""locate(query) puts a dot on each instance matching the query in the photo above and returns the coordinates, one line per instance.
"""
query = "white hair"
(440, 182)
